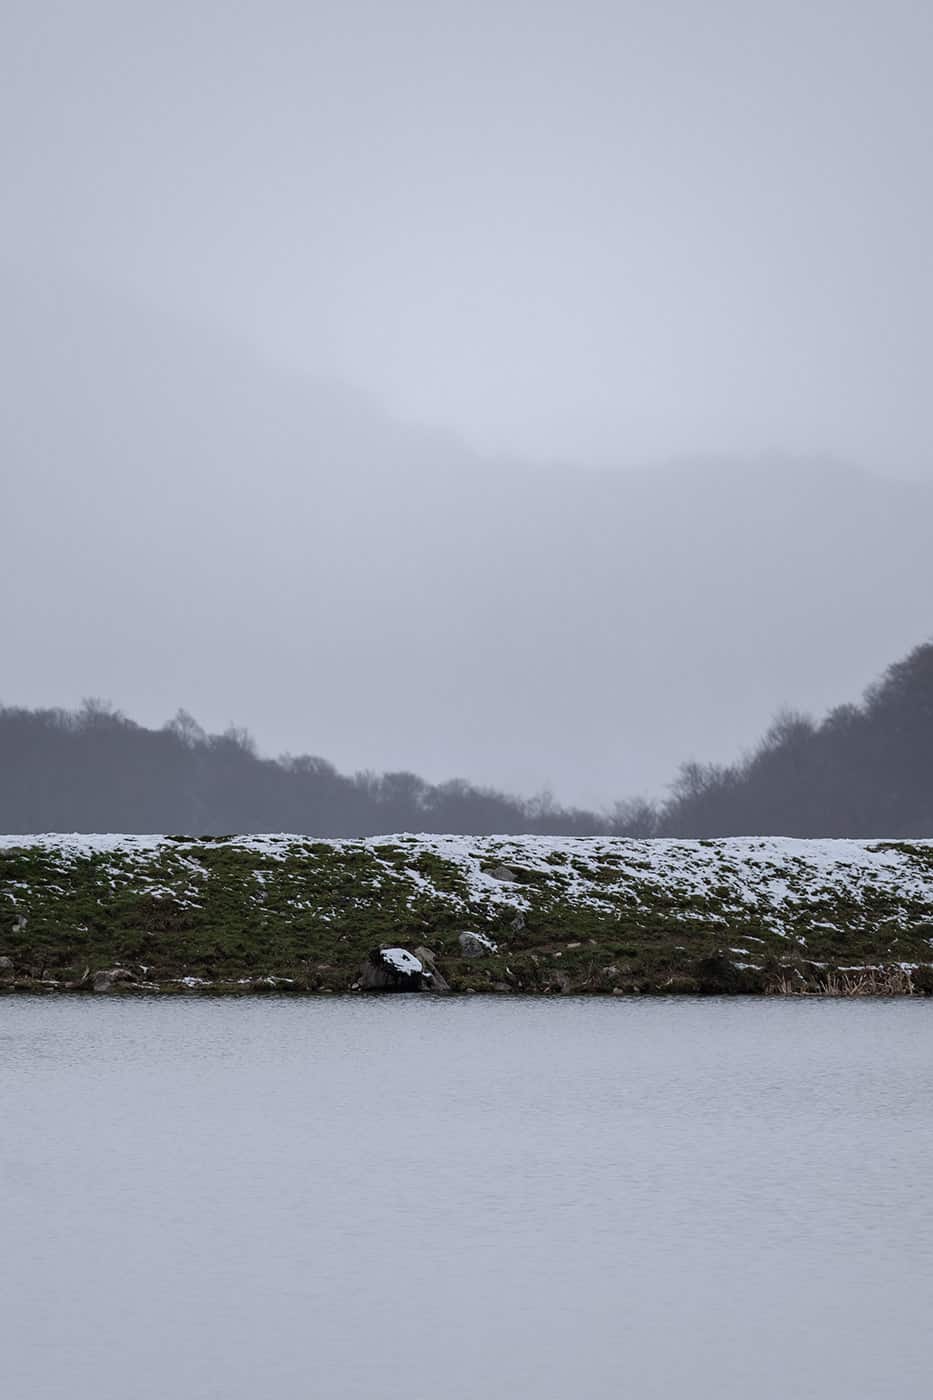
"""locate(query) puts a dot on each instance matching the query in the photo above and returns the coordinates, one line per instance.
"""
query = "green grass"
(593, 920)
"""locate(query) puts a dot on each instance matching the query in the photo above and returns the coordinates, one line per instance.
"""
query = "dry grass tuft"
(853, 982)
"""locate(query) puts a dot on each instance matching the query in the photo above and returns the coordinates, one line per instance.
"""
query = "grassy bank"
(287, 913)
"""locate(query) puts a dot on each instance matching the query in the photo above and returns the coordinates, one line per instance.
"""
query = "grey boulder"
(107, 978)
(433, 979)
(476, 945)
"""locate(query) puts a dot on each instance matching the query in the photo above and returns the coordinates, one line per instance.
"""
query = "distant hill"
(865, 770)
(95, 770)
(184, 520)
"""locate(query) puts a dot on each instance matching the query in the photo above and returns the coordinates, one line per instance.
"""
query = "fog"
(537, 393)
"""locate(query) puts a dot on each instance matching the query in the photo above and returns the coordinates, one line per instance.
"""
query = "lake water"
(409, 1199)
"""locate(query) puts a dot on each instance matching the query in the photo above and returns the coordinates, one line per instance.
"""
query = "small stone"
(107, 978)
(433, 979)
(476, 945)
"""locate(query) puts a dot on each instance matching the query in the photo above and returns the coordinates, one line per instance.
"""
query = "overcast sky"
(618, 230)
(251, 250)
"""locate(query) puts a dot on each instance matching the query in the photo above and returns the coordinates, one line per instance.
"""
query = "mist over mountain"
(95, 770)
(865, 769)
(183, 519)
(592, 231)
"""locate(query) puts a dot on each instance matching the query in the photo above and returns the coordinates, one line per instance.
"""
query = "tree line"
(865, 770)
(94, 769)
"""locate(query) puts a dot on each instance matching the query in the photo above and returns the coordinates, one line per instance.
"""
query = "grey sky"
(237, 237)
(614, 230)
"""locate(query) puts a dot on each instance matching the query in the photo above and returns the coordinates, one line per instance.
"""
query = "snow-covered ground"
(773, 875)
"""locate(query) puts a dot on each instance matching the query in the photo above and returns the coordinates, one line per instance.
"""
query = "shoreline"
(226, 992)
(538, 916)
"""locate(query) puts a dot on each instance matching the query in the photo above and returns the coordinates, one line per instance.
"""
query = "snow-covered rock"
(391, 970)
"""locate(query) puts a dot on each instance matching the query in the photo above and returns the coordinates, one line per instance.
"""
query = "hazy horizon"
(385, 597)
(534, 394)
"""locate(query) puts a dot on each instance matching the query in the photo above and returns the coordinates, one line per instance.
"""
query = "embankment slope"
(567, 915)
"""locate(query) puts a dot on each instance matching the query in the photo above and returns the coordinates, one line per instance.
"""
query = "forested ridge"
(866, 769)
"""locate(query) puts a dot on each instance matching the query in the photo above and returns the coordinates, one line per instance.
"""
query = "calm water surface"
(403, 1199)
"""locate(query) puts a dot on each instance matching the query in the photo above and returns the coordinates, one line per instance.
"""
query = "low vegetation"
(566, 915)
